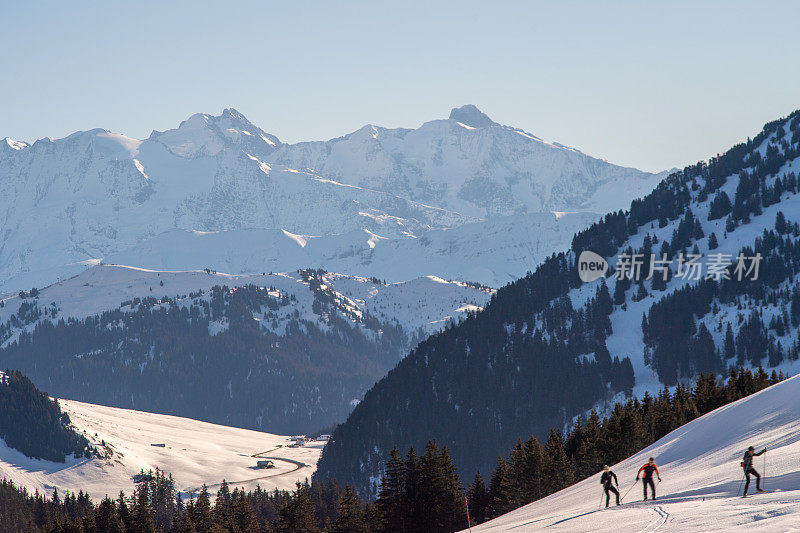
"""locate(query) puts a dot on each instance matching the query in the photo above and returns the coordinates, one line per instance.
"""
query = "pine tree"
(501, 490)
(222, 506)
(729, 349)
(390, 507)
(124, 512)
(107, 519)
(298, 513)
(350, 514)
(780, 223)
(142, 517)
(414, 508)
(525, 469)
(184, 523)
(603, 303)
(478, 498)
(452, 505)
(202, 518)
(712, 241)
(430, 490)
(242, 513)
(664, 415)
(558, 468)
(589, 456)
(622, 285)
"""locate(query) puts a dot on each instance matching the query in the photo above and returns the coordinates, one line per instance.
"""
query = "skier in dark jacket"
(608, 480)
(747, 466)
(649, 467)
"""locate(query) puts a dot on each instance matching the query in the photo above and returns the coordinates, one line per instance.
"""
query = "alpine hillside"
(290, 353)
(699, 465)
(548, 347)
(193, 453)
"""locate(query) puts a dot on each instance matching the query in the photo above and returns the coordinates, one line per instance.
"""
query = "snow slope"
(699, 465)
(281, 352)
(95, 194)
(492, 252)
(194, 452)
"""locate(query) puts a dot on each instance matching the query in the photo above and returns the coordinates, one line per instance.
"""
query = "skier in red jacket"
(649, 467)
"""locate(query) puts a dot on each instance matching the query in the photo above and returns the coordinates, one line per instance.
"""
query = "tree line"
(417, 493)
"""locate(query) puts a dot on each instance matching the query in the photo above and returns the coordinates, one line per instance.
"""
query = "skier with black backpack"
(608, 480)
(747, 466)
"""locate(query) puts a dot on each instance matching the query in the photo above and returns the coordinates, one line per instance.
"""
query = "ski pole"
(740, 486)
(626, 494)
(469, 522)
(765, 469)
(600, 506)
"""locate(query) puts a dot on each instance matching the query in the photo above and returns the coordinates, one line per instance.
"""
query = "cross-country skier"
(747, 465)
(649, 467)
(606, 480)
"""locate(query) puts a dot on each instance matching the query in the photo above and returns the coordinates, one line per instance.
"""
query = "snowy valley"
(194, 453)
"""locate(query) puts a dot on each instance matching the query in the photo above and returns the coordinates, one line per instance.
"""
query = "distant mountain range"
(463, 198)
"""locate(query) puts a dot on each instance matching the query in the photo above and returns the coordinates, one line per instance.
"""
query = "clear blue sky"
(646, 84)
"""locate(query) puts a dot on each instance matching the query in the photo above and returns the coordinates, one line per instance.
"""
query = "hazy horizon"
(651, 86)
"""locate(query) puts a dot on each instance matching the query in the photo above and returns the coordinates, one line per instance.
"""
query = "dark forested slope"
(241, 356)
(32, 422)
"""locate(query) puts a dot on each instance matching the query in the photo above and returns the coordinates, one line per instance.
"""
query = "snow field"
(194, 452)
(699, 465)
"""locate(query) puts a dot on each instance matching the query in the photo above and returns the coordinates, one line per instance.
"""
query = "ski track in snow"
(699, 465)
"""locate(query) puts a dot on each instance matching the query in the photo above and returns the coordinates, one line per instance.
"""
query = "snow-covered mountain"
(376, 199)
(419, 306)
(95, 193)
(280, 352)
(491, 252)
(470, 164)
(699, 466)
(193, 452)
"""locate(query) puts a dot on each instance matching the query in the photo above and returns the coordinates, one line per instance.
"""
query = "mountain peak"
(203, 134)
(10, 144)
(232, 113)
(471, 116)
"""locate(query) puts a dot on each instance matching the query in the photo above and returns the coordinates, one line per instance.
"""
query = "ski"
(760, 492)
